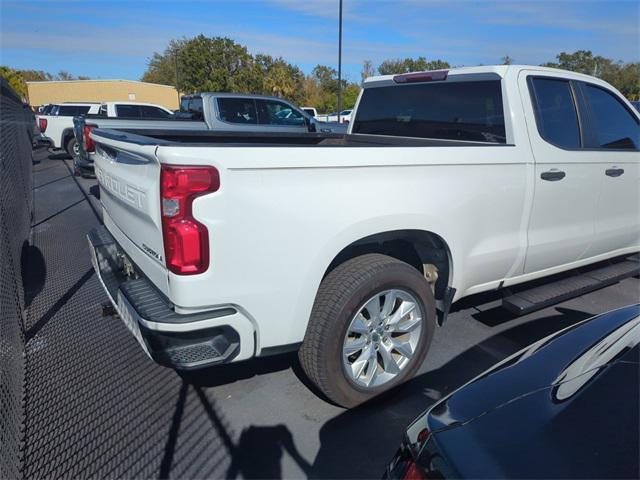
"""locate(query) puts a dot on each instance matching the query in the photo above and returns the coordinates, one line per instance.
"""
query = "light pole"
(175, 59)
(340, 61)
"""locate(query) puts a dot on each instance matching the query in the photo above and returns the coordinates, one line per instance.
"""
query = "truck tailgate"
(129, 176)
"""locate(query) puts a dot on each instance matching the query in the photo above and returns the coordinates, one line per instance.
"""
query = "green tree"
(368, 70)
(623, 76)
(277, 77)
(161, 67)
(350, 95)
(15, 80)
(35, 75)
(63, 75)
(406, 65)
(214, 64)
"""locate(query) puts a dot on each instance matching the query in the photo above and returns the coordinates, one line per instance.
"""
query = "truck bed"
(260, 139)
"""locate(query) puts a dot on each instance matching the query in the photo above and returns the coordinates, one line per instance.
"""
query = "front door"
(614, 146)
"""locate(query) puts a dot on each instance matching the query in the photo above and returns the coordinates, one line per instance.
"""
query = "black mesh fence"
(16, 127)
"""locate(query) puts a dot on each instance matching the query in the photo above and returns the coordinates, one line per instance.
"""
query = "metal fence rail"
(16, 127)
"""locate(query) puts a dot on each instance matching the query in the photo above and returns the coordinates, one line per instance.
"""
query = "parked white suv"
(352, 250)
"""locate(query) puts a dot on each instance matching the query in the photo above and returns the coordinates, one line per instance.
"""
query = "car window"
(103, 110)
(238, 110)
(148, 111)
(555, 111)
(615, 125)
(469, 111)
(272, 112)
(72, 110)
(128, 111)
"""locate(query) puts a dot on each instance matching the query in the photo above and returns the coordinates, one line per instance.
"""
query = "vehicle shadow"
(34, 272)
(359, 442)
(233, 372)
(59, 155)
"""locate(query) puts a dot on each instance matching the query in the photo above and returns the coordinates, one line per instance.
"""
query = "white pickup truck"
(57, 125)
(353, 249)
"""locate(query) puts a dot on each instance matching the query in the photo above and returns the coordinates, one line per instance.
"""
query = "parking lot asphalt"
(97, 406)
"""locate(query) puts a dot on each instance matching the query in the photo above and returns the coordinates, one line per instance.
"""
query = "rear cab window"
(449, 110)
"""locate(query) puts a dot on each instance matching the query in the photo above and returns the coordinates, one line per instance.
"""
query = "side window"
(103, 110)
(556, 114)
(614, 124)
(238, 110)
(128, 111)
(72, 110)
(272, 112)
(152, 112)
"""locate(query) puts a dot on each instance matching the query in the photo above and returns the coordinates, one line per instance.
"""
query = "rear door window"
(555, 109)
(272, 112)
(128, 111)
(615, 126)
(238, 110)
(471, 111)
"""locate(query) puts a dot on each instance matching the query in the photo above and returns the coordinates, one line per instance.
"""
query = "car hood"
(563, 363)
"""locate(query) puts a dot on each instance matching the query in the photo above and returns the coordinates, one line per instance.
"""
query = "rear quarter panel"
(283, 213)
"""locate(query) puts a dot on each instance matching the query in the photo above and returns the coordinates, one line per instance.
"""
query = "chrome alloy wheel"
(382, 338)
(76, 149)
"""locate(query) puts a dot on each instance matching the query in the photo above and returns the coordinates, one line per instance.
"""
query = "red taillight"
(42, 123)
(431, 76)
(186, 241)
(89, 144)
(413, 471)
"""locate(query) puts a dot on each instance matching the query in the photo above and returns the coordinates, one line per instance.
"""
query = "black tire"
(340, 296)
(71, 143)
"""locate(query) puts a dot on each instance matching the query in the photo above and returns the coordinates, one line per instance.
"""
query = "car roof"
(240, 95)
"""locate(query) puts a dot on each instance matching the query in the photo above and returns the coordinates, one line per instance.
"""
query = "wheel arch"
(418, 248)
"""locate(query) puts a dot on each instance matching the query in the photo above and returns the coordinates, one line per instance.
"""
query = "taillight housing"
(42, 123)
(89, 144)
(186, 241)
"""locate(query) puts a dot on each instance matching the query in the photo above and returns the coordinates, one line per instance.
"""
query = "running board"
(527, 301)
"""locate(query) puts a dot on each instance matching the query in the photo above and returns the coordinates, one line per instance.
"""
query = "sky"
(115, 39)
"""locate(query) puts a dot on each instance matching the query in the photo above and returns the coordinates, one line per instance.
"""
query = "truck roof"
(489, 70)
(236, 95)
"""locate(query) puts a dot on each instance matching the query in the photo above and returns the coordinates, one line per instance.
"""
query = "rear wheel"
(72, 147)
(370, 329)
